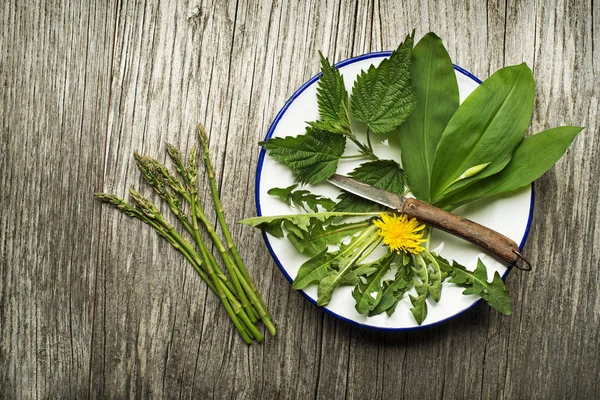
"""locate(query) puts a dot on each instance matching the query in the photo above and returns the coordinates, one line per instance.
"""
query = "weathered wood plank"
(54, 73)
(91, 301)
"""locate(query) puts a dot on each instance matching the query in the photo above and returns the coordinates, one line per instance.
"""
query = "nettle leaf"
(332, 98)
(476, 282)
(437, 100)
(535, 155)
(303, 199)
(383, 97)
(485, 130)
(329, 126)
(313, 157)
(368, 293)
(384, 174)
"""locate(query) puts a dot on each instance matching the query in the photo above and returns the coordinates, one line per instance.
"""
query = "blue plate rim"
(259, 167)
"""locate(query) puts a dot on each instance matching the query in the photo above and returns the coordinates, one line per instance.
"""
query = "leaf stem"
(369, 139)
(354, 156)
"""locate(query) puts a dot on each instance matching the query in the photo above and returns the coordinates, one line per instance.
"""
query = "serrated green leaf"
(319, 235)
(486, 128)
(330, 126)
(535, 155)
(383, 174)
(347, 262)
(421, 283)
(368, 294)
(312, 157)
(476, 282)
(383, 96)
(332, 97)
(302, 199)
(360, 271)
(393, 291)
(284, 194)
(436, 90)
(315, 269)
(300, 220)
(435, 277)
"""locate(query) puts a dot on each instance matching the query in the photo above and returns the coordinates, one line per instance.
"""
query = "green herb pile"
(448, 154)
(236, 290)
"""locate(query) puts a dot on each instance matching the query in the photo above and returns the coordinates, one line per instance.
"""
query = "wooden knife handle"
(475, 233)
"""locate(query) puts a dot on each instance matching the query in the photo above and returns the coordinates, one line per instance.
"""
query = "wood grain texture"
(93, 304)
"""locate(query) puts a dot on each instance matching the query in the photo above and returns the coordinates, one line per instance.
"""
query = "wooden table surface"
(94, 304)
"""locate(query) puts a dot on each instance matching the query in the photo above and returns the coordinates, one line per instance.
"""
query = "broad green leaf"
(302, 199)
(421, 282)
(332, 97)
(476, 282)
(471, 172)
(315, 269)
(535, 155)
(486, 128)
(384, 174)
(313, 157)
(383, 96)
(368, 294)
(393, 291)
(436, 90)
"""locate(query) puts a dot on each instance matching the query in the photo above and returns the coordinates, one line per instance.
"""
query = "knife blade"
(488, 239)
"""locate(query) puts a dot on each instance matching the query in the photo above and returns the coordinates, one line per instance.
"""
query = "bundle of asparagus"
(236, 290)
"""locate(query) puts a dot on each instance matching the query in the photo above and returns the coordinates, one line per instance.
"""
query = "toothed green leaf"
(312, 157)
(383, 174)
(382, 97)
(332, 98)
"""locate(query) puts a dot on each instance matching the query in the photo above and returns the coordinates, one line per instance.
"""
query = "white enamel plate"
(508, 214)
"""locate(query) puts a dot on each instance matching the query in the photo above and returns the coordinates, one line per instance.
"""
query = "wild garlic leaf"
(476, 282)
(312, 157)
(384, 174)
(367, 294)
(471, 172)
(383, 97)
(421, 282)
(486, 128)
(436, 101)
(332, 97)
(535, 155)
(303, 199)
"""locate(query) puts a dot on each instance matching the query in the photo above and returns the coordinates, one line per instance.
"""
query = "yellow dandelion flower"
(401, 234)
